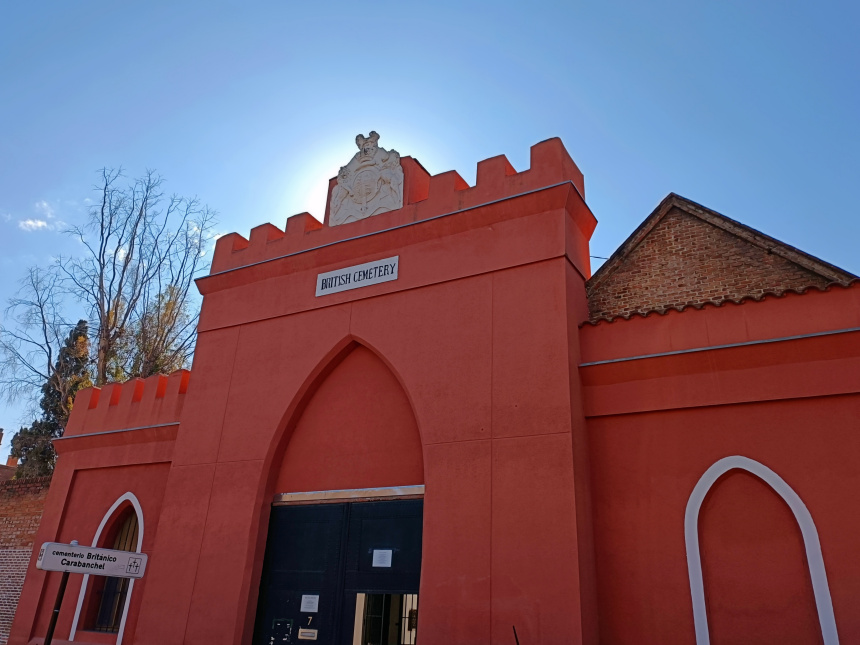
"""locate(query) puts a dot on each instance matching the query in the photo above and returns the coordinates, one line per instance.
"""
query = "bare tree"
(142, 252)
(31, 339)
(40, 352)
(134, 279)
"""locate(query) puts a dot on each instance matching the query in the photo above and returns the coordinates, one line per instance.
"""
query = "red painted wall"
(357, 431)
(645, 467)
(754, 566)
(656, 424)
(473, 334)
(91, 494)
(555, 482)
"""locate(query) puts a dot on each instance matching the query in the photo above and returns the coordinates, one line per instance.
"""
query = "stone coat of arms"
(371, 183)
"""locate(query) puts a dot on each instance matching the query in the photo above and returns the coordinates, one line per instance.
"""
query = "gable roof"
(767, 265)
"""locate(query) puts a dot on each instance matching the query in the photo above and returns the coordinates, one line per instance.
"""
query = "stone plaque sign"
(371, 183)
(360, 275)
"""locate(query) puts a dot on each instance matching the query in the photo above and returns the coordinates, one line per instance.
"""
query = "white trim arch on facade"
(131, 499)
(811, 543)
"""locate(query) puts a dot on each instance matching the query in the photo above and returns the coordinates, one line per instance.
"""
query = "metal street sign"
(97, 562)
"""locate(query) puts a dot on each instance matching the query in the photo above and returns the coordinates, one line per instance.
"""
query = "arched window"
(103, 602)
(107, 595)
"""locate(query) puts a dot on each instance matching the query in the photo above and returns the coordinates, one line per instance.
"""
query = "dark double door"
(339, 574)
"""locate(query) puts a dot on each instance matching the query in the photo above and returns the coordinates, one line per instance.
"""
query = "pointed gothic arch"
(812, 545)
(130, 499)
(328, 362)
(357, 389)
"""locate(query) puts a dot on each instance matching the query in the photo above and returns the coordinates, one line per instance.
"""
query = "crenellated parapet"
(424, 196)
(137, 403)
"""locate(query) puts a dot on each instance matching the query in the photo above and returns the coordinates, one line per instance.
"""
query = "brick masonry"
(692, 256)
(21, 504)
(13, 568)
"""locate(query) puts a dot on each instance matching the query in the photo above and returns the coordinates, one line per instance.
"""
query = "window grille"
(390, 619)
(111, 593)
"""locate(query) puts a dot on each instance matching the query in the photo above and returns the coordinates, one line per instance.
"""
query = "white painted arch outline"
(132, 499)
(818, 575)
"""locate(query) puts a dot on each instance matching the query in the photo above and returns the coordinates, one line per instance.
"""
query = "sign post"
(73, 558)
(49, 635)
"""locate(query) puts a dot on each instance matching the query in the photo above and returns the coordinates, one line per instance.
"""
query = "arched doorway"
(343, 554)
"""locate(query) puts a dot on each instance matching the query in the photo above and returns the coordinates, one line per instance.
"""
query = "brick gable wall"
(21, 504)
(683, 261)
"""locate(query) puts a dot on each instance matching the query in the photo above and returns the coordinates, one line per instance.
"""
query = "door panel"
(336, 551)
(382, 527)
(304, 553)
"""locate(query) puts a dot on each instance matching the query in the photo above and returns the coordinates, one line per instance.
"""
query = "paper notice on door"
(382, 558)
(310, 604)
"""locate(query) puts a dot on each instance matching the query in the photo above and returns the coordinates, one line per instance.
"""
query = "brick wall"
(13, 568)
(685, 260)
(21, 503)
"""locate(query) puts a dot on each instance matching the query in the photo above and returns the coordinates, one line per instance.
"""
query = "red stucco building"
(440, 407)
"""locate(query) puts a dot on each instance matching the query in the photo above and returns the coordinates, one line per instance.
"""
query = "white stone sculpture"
(370, 184)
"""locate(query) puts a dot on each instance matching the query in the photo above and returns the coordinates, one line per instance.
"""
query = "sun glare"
(305, 188)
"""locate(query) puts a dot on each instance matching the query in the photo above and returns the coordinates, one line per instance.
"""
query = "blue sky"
(750, 108)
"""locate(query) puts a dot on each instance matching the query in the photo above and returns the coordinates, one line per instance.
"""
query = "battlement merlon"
(424, 196)
(136, 403)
